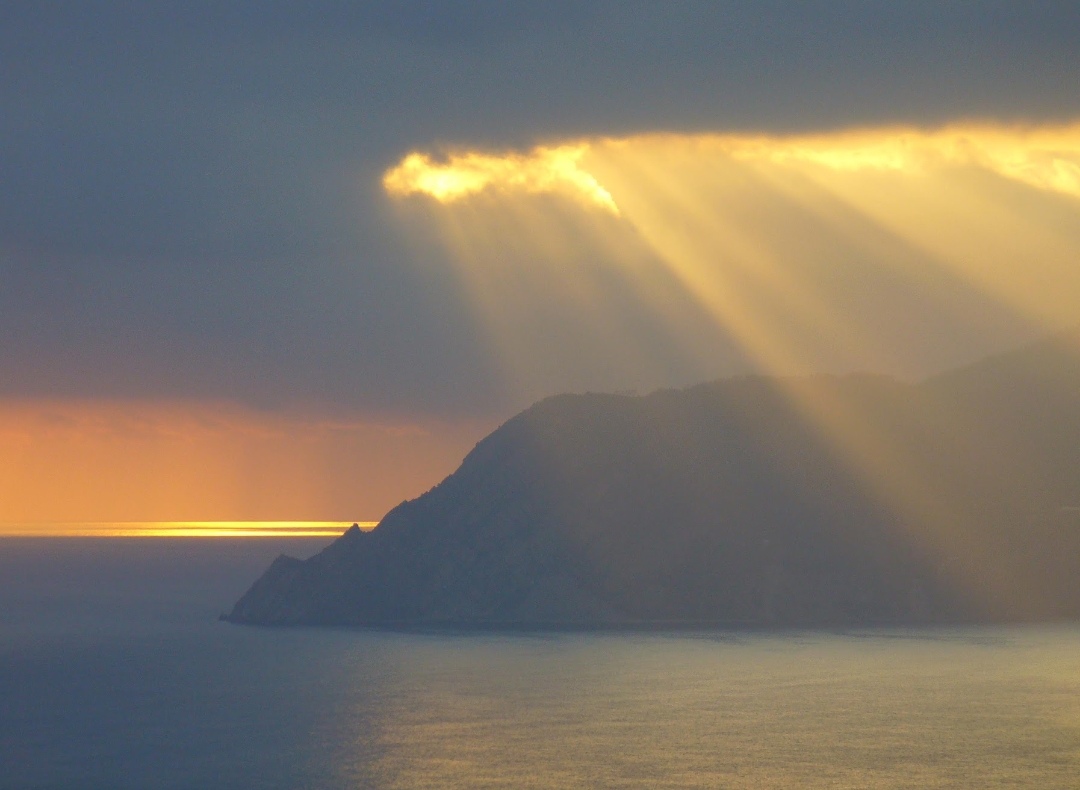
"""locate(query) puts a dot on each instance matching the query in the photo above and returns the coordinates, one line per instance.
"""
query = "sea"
(116, 673)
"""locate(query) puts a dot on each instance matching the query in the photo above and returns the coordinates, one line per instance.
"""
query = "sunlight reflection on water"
(944, 709)
(178, 529)
(114, 673)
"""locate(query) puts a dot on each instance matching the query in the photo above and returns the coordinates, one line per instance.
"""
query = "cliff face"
(821, 500)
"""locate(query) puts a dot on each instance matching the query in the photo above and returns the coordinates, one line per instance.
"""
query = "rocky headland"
(754, 501)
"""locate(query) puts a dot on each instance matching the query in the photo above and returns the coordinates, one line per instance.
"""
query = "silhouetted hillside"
(817, 500)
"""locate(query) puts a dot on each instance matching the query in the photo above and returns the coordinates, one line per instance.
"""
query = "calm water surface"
(115, 674)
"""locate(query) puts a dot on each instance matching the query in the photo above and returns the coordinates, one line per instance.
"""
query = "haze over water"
(262, 260)
(115, 673)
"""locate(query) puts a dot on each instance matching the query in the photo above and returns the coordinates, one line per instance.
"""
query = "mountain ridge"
(753, 501)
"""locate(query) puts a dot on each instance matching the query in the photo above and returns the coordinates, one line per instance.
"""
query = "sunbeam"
(845, 251)
(841, 251)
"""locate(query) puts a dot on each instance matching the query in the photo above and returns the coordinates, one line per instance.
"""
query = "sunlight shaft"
(850, 250)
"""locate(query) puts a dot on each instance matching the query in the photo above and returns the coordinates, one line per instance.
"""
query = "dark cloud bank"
(191, 204)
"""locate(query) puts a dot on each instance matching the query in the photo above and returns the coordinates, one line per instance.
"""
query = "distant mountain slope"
(750, 501)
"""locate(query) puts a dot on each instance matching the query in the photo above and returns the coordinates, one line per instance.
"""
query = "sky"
(218, 301)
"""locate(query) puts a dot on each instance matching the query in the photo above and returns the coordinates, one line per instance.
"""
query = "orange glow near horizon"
(205, 467)
(858, 249)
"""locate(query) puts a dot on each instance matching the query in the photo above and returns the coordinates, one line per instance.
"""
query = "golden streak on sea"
(180, 529)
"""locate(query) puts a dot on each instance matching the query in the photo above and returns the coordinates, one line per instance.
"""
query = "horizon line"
(179, 529)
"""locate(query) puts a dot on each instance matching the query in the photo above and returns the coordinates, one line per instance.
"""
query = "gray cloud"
(190, 200)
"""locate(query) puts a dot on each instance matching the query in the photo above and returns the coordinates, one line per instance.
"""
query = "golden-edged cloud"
(1044, 158)
(1041, 157)
(542, 170)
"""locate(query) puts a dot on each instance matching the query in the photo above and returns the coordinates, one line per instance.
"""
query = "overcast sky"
(190, 200)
